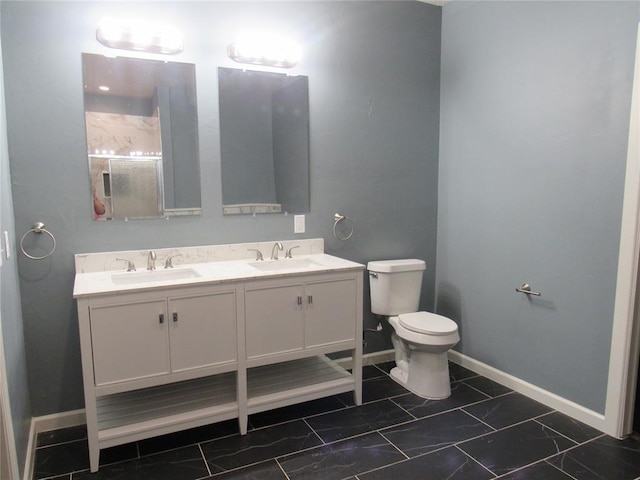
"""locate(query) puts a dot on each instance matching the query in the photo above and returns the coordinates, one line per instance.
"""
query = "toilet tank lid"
(402, 265)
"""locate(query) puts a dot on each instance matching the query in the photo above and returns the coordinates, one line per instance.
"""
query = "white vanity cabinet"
(285, 318)
(136, 338)
(291, 324)
(118, 331)
(161, 358)
(158, 361)
(202, 330)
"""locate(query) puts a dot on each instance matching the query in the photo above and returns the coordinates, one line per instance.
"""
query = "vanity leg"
(94, 455)
(243, 415)
(357, 376)
(91, 409)
(243, 422)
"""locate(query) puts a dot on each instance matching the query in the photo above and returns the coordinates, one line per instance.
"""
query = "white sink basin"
(284, 264)
(151, 276)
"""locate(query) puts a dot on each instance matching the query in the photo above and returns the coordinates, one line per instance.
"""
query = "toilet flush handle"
(373, 274)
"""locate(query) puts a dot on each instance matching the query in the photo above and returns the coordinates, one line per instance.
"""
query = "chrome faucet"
(274, 251)
(151, 260)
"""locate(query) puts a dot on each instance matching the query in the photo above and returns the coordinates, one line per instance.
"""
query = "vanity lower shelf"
(281, 384)
(138, 414)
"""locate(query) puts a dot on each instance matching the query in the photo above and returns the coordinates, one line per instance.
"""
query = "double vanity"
(218, 335)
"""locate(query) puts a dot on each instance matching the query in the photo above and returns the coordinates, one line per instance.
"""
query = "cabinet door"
(330, 312)
(273, 319)
(202, 330)
(129, 341)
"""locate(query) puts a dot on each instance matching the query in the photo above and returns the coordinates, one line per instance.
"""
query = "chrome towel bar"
(526, 288)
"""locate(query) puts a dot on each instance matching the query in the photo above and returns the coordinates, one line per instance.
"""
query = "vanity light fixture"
(140, 36)
(264, 49)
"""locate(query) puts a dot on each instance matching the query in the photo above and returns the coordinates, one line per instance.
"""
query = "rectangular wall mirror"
(142, 137)
(264, 142)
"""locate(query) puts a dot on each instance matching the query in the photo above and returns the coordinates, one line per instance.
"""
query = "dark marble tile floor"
(483, 431)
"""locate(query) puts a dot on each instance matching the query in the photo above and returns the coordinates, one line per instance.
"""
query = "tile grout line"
(403, 409)
(475, 460)
(281, 468)
(462, 409)
(44, 447)
(314, 431)
(484, 393)
(204, 458)
(284, 422)
(520, 422)
(537, 420)
(545, 460)
(394, 446)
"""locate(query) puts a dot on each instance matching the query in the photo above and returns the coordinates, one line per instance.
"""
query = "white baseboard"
(47, 423)
(572, 409)
(369, 359)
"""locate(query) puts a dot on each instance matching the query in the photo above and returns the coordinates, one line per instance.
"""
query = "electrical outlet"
(298, 224)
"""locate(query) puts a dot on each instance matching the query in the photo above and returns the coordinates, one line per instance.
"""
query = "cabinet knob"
(161, 318)
(310, 299)
(175, 316)
(299, 300)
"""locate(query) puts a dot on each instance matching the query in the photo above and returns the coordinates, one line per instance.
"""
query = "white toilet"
(420, 339)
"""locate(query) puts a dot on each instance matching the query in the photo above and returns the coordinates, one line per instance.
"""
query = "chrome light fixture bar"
(265, 49)
(140, 36)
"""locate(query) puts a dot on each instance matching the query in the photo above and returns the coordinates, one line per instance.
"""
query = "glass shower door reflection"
(136, 187)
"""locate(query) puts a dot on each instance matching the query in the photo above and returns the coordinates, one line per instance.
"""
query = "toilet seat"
(427, 323)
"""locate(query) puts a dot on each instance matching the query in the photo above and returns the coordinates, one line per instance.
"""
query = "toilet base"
(427, 375)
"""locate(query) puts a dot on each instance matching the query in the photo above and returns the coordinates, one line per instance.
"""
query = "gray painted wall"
(10, 309)
(289, 114)
(374, 73)
(534, 123)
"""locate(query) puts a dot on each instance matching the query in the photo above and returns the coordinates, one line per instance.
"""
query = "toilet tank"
(395, 286)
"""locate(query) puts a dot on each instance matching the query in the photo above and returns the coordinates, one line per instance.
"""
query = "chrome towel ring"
(351, 228)
(38, 228)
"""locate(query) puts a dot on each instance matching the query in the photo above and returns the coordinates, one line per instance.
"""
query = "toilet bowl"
(421, 340)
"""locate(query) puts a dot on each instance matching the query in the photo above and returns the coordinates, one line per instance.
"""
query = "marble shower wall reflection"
(117, 134)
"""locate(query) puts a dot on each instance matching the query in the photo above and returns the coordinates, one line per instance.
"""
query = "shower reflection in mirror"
(142, 143)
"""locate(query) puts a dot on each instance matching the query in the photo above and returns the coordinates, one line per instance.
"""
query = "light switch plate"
(298, 224)
(7, 250)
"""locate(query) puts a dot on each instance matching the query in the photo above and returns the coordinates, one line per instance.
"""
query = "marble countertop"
(121, 281)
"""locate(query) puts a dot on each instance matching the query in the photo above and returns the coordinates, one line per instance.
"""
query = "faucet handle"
(258, 253)
(288, 254)
(168, 263)
(130, 265)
